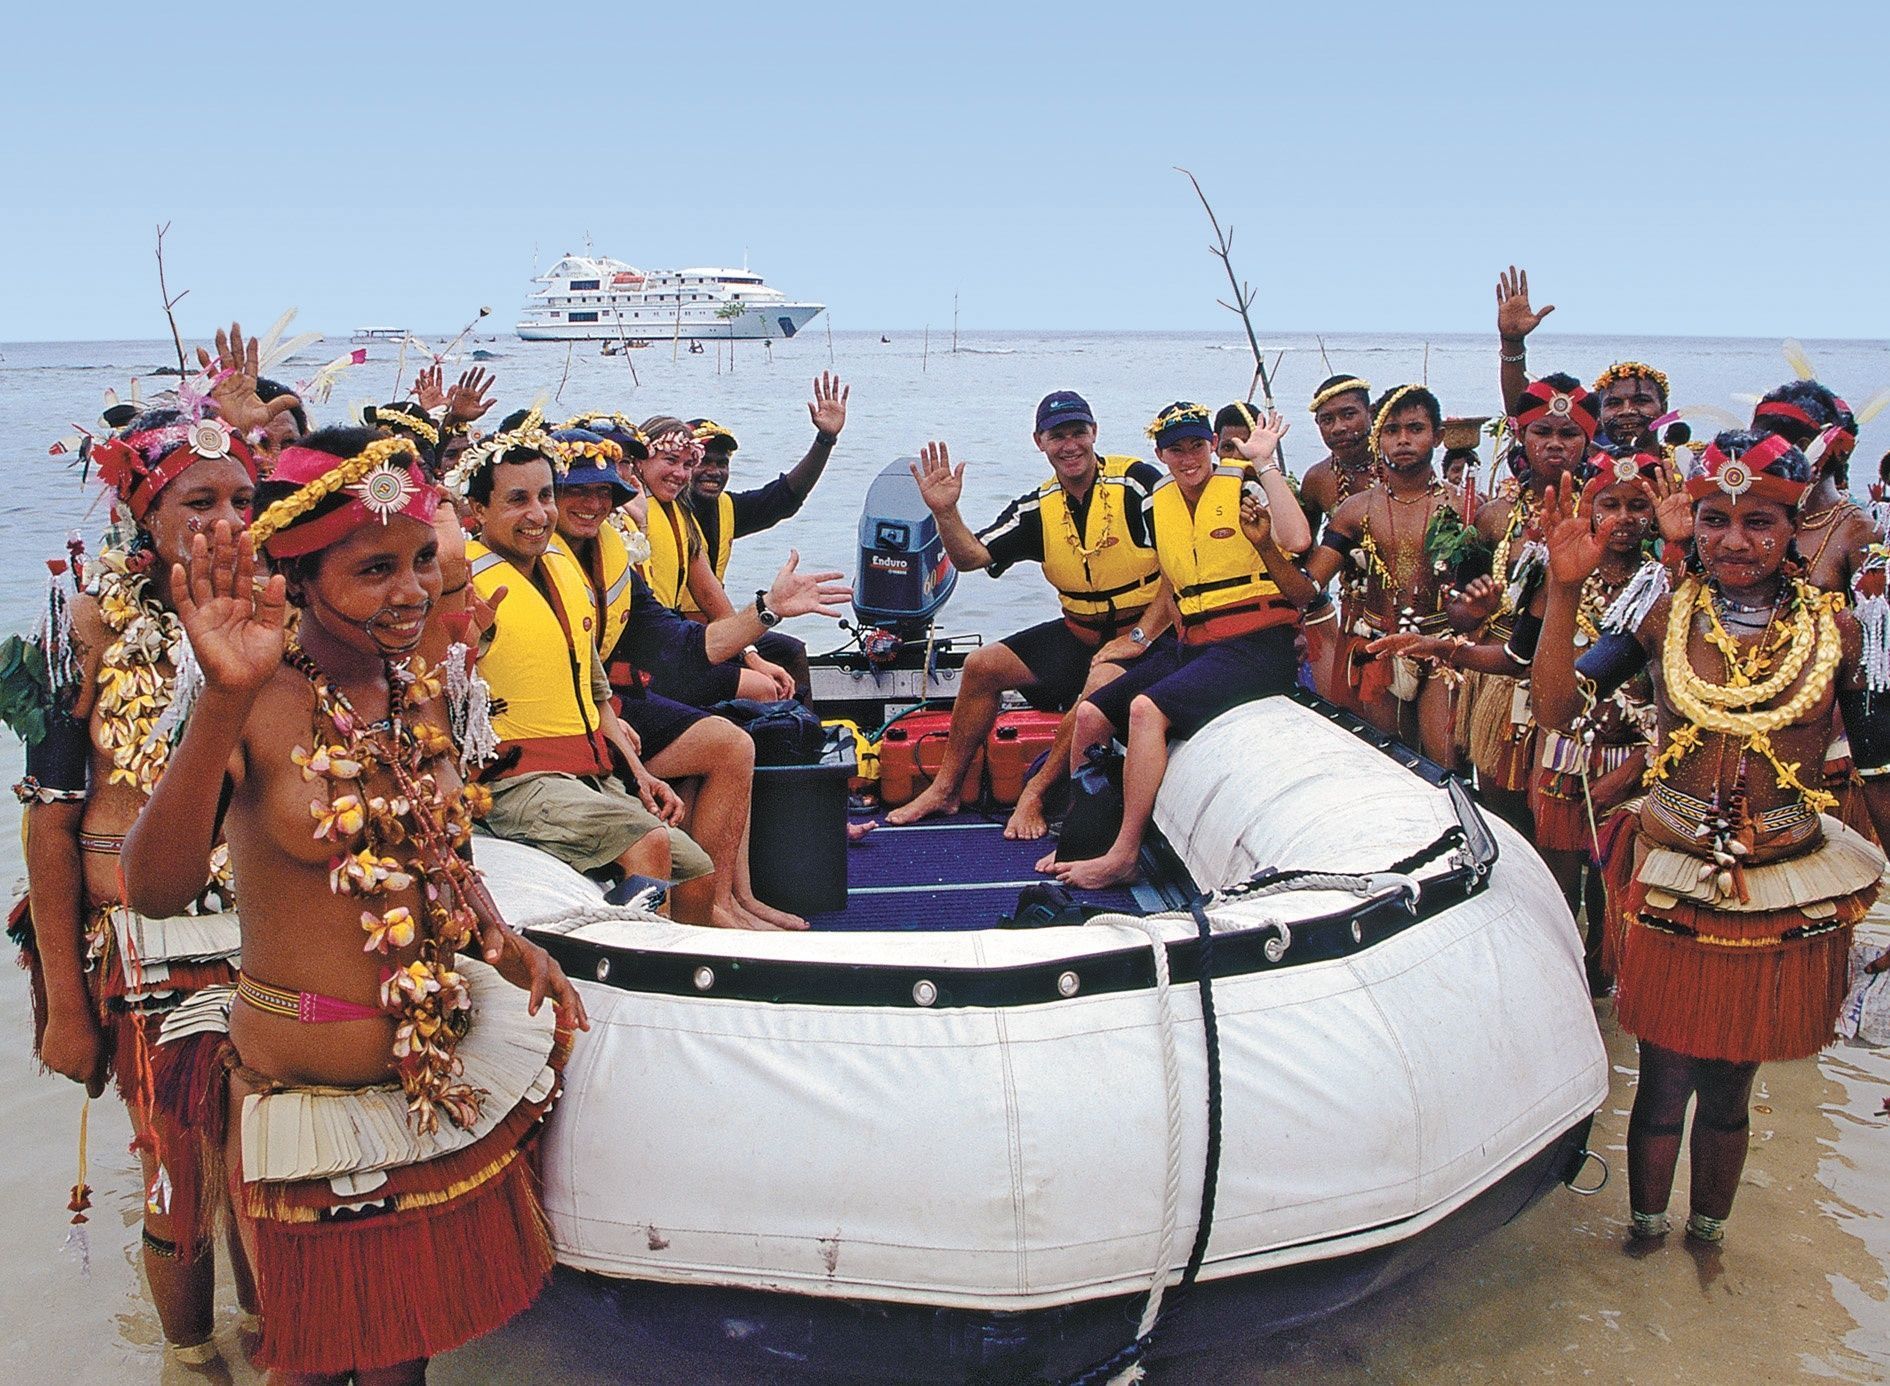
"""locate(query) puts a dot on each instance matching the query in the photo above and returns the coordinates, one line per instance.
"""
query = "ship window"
(583, 317)
(577, 285)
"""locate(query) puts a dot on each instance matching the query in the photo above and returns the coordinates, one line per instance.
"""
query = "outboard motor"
(905, 576)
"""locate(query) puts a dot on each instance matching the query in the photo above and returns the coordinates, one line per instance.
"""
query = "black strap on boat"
(1132, 1352)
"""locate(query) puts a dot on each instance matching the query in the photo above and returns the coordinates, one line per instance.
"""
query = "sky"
(1683, 168)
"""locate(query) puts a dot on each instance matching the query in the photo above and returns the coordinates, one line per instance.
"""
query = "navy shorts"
(695, 683)
(1058, 662)
(657, 721)
(1192, 685)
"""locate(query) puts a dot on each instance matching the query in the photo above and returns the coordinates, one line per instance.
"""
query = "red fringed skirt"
(1749, 984)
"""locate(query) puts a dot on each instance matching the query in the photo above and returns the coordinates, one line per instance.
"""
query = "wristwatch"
(762, 614)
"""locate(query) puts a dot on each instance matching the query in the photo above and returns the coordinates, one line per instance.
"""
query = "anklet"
(195, 1354)
(1647, 1226)
(1704, 1229)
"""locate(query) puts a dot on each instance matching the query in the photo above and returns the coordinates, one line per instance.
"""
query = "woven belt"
(1685, 814)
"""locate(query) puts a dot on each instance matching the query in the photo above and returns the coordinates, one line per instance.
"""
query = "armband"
(1613, 660)
(1867, 723)
(1525, 631)
(56, 763)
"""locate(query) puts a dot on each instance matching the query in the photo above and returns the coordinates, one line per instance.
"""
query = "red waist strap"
(559, 755)
(309, 1007)
(1229, 621)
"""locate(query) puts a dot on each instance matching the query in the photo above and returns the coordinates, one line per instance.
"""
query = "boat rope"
(567, 918)
(1273, 881)
(1125, 1366)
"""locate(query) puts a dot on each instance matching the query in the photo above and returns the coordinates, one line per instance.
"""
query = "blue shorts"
(1194, 684)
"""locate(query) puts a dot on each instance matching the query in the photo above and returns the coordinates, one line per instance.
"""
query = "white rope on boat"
(1171, 1086)
(567, 918)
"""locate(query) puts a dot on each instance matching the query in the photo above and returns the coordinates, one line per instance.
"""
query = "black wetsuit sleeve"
(1615, 658)
(655, 634)
(764, 507)
(1867, 723)
(1016, 536)
(56, 764)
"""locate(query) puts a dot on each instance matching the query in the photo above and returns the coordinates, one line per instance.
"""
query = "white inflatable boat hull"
(1011, 1157)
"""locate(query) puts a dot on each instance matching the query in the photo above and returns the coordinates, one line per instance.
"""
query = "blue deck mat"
(946, 873)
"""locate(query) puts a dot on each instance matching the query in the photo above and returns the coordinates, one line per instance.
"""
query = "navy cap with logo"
(1063, 407)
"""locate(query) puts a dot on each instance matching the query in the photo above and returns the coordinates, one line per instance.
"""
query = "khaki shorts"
(584, 821)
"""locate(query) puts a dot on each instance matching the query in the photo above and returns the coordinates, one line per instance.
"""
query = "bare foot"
(1047, 862)
(730, 917)
(768, 915)
(1027, 821)
(856, 832)
(1097, 872)
(935, 799)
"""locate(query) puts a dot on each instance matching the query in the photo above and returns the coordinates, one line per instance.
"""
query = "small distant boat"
(378, 334)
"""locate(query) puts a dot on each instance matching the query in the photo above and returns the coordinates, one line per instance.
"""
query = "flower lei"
(133, 689)
(427, 998)
(1733, 708)
(635, 542)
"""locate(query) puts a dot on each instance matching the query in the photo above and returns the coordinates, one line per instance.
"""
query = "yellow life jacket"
(724, 536)
(1102, 576)
(1220, 584)
(674, 540)
(608, 577)
(538, 665)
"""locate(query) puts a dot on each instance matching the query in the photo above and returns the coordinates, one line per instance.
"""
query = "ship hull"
(776, 322)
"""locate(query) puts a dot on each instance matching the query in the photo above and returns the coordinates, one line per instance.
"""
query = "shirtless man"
(1342, 409)
(1397, 578)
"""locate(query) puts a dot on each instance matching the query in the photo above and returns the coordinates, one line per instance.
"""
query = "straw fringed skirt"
(1614, 856)
(1752, 981)
(137, 970)
(376, 1244)
(1502, 733)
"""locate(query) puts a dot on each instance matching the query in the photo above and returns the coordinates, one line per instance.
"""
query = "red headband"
(1542, 400)
(1642, 466)
(121, 461)
(1745, 475)
(383, 493)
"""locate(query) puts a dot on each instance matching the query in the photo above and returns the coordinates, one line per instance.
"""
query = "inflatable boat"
(1340, 1029)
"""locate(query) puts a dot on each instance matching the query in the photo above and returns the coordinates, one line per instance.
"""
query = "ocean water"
(1815, 1221)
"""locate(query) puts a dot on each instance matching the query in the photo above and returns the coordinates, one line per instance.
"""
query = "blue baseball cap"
(591, 464)
(1063, 407)
(1181, 420)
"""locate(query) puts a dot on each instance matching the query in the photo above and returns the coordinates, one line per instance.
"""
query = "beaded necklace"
(386, 845)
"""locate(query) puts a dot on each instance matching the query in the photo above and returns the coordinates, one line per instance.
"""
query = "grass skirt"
(1745, 982)
(1502, 749)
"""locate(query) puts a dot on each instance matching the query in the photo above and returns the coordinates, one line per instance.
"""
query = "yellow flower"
(477, 799)
(340, 819)
(395, 929)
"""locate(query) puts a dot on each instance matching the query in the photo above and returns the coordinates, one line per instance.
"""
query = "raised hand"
(1514, 317)
(940, 484)
(1262, 443)
(828, 408)
(236, 629)
(236, 370)
(470, 397)
(1575, 548)
(795, 593)
(1256, 521)
(429, 390)
(1673, 507)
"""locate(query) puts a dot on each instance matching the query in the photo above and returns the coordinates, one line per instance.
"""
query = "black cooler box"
(797, 837)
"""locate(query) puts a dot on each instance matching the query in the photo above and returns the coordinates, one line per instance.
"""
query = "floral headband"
(1746, 474)
(707, 429)
(379, 485)
(529, 436)
(385, 416)
(1632, 370)
(138, 466)
(1181, 419)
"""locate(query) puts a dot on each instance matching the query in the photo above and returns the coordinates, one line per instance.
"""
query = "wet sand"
(1800, 1291)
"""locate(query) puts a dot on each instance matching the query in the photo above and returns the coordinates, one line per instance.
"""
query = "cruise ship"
(593, 298)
